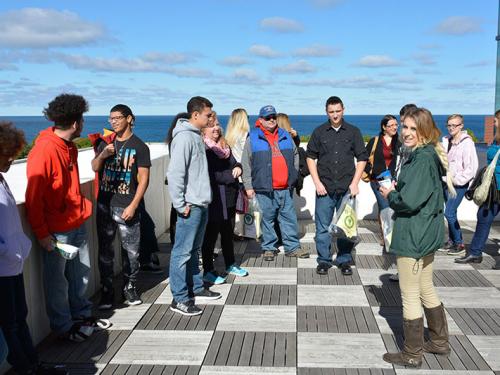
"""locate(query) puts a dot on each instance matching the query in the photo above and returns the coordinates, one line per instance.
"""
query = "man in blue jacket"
(270, 163)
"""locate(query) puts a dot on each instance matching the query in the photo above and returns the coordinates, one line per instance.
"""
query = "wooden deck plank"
(257, 351)
(269, 349)
(213, 348)
(246, 349)
(236, 347)
(224, 349)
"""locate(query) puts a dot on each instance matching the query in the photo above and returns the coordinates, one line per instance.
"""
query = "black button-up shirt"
(335, 151)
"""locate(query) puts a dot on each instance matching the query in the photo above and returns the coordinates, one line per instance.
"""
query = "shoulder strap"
(372, 152)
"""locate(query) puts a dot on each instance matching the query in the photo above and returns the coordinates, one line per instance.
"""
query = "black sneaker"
(185, 308)
(322, 268)
(49, 369)
(107, 299)
(207, 295)
(131, 296)
(155, 259)
(151, 268)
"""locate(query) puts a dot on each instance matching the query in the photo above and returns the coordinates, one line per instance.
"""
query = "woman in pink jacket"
(462, 159)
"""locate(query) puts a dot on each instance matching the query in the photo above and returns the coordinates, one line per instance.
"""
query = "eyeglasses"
(116, 118)
(270, 117)
(453, 126)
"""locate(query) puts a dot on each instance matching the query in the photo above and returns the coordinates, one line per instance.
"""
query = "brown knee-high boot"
(438, 331)
(412, 352)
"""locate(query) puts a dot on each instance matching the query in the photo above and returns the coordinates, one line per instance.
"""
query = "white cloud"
(234, 61)
(122, 65)
(325, 3)
(281, 25)
(364, 82)
(242, 76)
(264, 51)
(298, 67)
(479, 64)
(466, 86)
(377, 61)
(171, 58)
(424, 58)
(316, 50)
(43, 28)
(459, 25)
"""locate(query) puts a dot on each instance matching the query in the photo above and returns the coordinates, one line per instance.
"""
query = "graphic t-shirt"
(118, 178)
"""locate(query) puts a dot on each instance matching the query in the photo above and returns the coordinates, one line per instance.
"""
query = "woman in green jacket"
(418, 203)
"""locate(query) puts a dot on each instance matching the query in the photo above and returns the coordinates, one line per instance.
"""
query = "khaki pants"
(417, 288)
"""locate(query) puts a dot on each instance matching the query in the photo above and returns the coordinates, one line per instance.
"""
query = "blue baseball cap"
(267, 110)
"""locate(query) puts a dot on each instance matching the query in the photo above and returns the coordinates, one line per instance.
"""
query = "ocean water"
(154, 128)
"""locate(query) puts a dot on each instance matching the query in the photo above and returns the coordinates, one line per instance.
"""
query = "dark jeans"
(450, 213)
(149, 242)
(108, 220)
(22, 354)
(485, 217)
(226, 229)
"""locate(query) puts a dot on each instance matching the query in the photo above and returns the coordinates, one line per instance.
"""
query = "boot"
(412, 352)
(438, 331)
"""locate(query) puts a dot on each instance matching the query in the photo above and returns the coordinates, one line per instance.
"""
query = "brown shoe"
(412, 352)
(438, 331)
(298, 253)
(269, 255)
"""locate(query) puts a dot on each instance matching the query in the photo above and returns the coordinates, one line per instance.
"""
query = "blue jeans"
(485, 217)
(325, 207)
(278, 205)
(66, 281)
(450, 212)
(381, 201)
(185, 275)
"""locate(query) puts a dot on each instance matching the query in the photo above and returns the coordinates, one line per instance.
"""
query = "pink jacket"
(462, 159)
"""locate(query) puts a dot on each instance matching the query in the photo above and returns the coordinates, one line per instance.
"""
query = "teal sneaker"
(237, 271)
(213, 278)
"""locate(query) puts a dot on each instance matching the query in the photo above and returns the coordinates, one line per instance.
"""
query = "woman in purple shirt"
(14, 249)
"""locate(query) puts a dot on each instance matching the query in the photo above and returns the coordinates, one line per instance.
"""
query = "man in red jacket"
(57, 211)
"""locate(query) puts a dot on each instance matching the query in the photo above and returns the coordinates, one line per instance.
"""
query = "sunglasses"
(270, 117)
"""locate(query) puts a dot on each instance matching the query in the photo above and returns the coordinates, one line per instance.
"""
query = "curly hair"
(12, 139)
(65, 109)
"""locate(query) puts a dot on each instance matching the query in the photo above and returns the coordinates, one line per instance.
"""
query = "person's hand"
(128, 213)
(237, 172)
(108, 151)
(187, 210)
(47, 243)
(353, 189)
(250, 193)
(320, 189)
(385, 191)
(293, 133)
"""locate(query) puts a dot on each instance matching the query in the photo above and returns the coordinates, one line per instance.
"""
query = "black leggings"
(226, 229)
(22, 354)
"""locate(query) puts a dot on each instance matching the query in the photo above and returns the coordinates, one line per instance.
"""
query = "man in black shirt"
(123, 167)
(330, 158)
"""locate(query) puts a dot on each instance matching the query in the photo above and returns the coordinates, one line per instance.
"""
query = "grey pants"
(108, 221)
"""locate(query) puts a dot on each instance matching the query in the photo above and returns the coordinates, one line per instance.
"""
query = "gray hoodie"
(187, 174)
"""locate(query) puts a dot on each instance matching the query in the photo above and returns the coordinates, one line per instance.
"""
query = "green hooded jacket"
(418, 204)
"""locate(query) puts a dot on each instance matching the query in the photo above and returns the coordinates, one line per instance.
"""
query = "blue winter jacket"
(257, 160)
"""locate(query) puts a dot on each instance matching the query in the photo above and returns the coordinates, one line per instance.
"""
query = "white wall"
(157, 204)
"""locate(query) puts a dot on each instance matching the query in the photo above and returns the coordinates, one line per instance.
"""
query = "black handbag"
(493, 193)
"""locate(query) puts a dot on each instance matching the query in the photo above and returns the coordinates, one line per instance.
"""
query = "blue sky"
(154, 55)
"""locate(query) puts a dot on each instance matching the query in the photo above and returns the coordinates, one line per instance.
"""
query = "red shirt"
(280, 169)
(387, 150)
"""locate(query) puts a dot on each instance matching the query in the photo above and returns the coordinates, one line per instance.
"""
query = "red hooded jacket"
(54, 202)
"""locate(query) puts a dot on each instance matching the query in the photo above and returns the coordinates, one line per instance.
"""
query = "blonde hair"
(455, 115)
(221, 141)
(429, 134)
(497, 131)
(237, 126)
(284, 122)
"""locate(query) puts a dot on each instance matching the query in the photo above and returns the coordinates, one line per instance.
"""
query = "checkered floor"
(285, 319)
